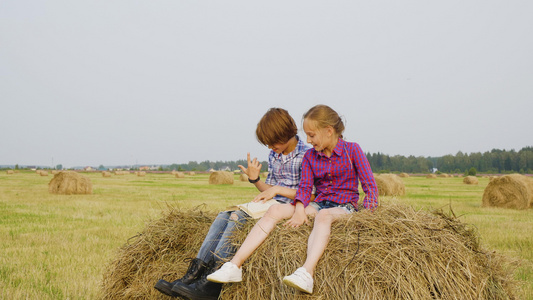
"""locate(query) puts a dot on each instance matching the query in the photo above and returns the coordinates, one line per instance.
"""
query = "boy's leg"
(213, 236)
(225, 249)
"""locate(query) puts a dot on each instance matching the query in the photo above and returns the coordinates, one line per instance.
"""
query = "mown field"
(57, 246)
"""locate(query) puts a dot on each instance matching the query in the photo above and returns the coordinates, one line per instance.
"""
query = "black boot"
(201, 289)
(197, 268)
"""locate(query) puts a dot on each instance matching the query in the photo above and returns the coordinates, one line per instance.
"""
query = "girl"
(335, 168)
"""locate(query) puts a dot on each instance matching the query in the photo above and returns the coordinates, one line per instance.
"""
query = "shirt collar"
(300, 146)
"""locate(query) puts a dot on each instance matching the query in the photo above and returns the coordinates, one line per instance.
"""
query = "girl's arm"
(299, 217)
(366, 177)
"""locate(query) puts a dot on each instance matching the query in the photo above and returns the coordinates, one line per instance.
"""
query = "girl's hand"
(266, 194)
(298, 218)
(254, 168)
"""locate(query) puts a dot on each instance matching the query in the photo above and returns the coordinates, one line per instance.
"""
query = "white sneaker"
(229, 272)
(300, 280)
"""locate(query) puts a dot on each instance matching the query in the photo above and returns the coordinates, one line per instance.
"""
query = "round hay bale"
(43, 173)
(106, 174)
(191, 173)
(431, 176)
(70, 183)
(141, 173)
(221, 177)
(179, 175)
(509, 191)
(394, 253)
(470, 180)
(404, 175)
(243, 177)
(444, 175)
(390, 185)
(9, 172)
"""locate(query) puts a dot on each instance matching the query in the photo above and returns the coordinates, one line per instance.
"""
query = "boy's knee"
(234, 216)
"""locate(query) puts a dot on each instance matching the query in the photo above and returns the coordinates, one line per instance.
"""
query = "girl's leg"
(260, 231)
(319, 237)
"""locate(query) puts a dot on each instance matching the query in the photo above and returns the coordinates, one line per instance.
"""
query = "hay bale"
(191, 173)
(444, 175)
(431, 176)
(9, 172)
(509, 191)
(179, 175)
(70, 183)
(43, 173)
(404, 175)
(470, 180)
(390, 185)
(243, 177)
(106, 174)
(393, 253)
(221, 177)
(141, 173)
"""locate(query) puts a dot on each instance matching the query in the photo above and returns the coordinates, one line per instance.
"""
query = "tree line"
(494, 161)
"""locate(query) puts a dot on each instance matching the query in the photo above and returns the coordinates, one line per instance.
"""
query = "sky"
(123, 82)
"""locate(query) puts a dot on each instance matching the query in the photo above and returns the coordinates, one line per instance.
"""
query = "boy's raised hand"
(254, 168)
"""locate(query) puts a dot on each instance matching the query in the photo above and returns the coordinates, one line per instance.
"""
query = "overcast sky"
(162, 82)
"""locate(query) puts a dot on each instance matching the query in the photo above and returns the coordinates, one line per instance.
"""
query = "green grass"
(57, 246)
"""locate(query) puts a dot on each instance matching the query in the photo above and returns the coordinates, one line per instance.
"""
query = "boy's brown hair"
(275, 127)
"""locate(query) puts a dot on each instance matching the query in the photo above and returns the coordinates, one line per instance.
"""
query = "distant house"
(88, 168)
(144, 168)
(226, 168)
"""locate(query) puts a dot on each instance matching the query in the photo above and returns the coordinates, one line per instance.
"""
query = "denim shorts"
(348, 207)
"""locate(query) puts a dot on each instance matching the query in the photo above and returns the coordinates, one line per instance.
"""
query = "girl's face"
(319, 138)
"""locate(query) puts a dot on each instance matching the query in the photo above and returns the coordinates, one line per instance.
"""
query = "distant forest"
(495, 161)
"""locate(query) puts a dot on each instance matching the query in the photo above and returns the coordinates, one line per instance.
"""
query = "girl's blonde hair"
(325, 116)
(276, 127)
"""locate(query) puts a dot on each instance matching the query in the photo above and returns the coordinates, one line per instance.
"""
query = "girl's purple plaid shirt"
(336, 178)
(285, 170)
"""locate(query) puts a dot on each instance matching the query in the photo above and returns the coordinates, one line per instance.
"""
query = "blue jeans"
(217, 241)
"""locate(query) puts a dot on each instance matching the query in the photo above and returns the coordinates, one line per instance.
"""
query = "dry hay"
(470, 180)
(192, 173)
(243, 177)
(509, 191)
(141, 173)
(106, 174)
(431, 176)
(221, 177)
(393, 253)
(70, 183)
(444, 175)
(404, 175)
(179, 175)
(9, 172)
(390, 185)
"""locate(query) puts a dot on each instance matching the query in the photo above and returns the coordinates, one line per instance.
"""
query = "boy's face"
(279, 148)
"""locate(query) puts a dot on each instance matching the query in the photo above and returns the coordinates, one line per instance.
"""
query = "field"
(57, 246)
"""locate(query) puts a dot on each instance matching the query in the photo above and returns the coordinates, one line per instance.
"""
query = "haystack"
(431, 176)
(444, 175)
(470, 180)
(191, 173)
(221, 177)
(404, 175)
(243, 177)
(390, 185)
(9, 172)
(393, 253)
(141, 173)
(509, 191)
(70, 183)
(179, 175)
(106, 174)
